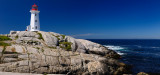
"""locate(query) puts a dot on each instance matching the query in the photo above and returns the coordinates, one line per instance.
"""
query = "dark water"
(144, 55)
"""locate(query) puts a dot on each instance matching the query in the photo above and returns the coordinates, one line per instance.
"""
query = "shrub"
(4, 38)
(40, 36)
(67, 45)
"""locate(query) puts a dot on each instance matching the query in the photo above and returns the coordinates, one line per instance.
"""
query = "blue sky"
(87, 19)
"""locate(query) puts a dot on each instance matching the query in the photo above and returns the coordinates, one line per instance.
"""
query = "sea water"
(143, 55)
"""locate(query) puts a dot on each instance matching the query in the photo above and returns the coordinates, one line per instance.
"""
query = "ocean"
(143, 55)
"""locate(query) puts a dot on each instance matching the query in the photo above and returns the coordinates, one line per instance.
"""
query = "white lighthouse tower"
(34, 23)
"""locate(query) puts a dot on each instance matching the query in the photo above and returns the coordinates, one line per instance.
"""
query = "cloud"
(78, 35)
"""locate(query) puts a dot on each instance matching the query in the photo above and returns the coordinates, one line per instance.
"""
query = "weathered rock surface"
(49, 39)
(53, 53)
(142, 73)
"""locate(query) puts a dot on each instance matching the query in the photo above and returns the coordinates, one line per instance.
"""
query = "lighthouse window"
(35, 14)
(36, 27)
(35, 20)
(34, 7)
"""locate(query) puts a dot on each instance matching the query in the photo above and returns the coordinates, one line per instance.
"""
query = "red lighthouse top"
(34, 7)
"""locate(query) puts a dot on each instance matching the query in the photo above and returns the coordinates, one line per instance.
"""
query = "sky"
(86, 19)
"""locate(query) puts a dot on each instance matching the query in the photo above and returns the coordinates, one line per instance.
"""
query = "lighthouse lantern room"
(34, 23)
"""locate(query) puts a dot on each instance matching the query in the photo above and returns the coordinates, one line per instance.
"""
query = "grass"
(53, 47)
(40, 36)
(67, 45)
(42, 50)
(57, 37)
(4, 38)
(37, 48)
(3, 51)
(45, 74)
(4, 44)
(16, 36)
(63, 36)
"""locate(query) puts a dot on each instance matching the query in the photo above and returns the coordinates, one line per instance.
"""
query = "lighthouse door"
(36, 27)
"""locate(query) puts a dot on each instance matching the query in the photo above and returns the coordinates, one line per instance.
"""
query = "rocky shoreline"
(52, 53)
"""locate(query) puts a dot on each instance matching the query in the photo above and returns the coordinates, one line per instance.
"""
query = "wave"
(155, 47)
(121, 53)
(148, 47)
(139, 46)
(145, 46)
(116, 48)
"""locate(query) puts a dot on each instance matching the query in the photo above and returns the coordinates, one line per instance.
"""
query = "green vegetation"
(67, 45)
(16, 36)
(37, 48)
(28, 54)
(1, 60)
(57, 37)
(42, 50)
(3, 50)
(45, 74)
(4, 38)
(63, 36)
(53, 47)
(40, 36)
(4, 44)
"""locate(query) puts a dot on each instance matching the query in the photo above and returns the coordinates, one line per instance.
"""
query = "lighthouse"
(34, 22)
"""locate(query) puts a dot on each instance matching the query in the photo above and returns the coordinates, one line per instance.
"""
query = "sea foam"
(115, 48)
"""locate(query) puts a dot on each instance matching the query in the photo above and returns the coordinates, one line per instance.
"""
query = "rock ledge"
(52, 53)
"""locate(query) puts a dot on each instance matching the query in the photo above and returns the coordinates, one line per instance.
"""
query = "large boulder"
(98, 68)
(80, 47)
(95, 48)
(76, 45)
(91, 45)
(49, 39)
(73, 41)
(142, 73)
(28, 34)
(25, 37)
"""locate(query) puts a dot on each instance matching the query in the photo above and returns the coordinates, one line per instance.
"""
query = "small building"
(34, 23)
